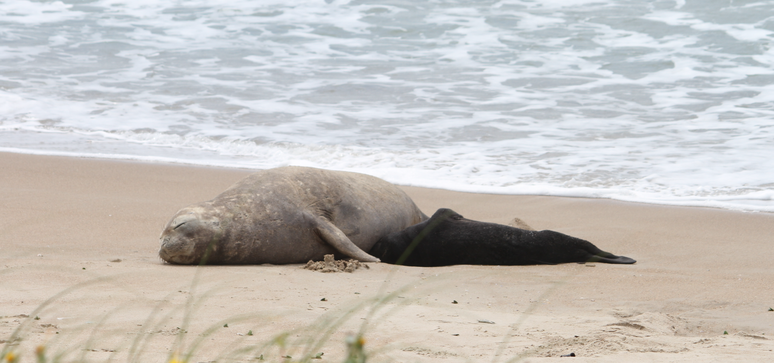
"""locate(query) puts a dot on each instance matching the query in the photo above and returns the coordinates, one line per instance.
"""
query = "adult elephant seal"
(447, 238)
(289, 215)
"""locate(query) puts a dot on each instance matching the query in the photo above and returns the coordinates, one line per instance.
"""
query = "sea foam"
(665, 102)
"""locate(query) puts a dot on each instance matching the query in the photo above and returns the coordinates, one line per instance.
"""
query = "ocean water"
(668, 102)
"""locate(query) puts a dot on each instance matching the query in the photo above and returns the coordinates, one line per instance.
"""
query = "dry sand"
(84, 234)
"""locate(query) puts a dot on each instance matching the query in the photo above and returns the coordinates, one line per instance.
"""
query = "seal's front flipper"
(518, 223)
(333, 236)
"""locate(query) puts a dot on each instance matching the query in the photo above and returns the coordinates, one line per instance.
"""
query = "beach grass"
(96, 337)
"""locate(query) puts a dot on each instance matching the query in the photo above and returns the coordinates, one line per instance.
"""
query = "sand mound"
(329, 264)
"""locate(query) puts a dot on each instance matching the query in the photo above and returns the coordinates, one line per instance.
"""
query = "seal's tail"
(607, 257)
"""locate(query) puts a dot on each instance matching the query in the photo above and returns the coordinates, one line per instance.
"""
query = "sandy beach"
(80, 275)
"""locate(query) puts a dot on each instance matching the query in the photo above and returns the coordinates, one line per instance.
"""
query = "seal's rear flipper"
(611, 258)
(333, 236)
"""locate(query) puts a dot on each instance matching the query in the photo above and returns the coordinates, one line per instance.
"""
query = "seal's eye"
(178, 226)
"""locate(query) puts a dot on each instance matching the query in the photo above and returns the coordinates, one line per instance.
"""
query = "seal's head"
(191, 236)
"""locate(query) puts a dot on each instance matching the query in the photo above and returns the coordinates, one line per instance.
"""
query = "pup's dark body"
(447, 238)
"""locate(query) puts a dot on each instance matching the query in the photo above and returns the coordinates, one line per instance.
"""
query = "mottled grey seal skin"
(447, 238)
(289, 215)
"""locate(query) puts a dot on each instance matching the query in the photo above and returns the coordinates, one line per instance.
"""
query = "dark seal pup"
(289, 215)
(449, 239)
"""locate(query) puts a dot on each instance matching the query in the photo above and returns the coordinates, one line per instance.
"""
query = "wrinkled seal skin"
(289, 215)
(447, 238)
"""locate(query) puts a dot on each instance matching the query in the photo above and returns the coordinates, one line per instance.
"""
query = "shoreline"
(701, 272)
(557, 192)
